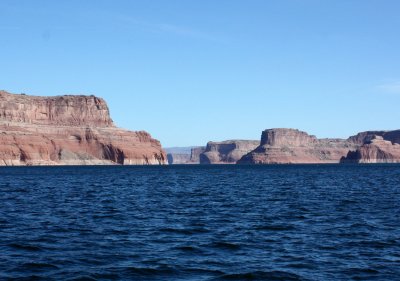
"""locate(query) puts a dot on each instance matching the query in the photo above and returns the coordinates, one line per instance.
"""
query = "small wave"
(362, 225)
(372, 244)
(25, 247)
(39, 265)
(184, 231)
(98, 276)
(91, 261)
(225, 245)
(260, 275)
(190, 249)
(327, 247)
(107, 201)
(302, 265)
(361, 272)
(27, 278)
(347, 202)
(21, 190)
(148, 271)
(84, 278)
(275, 227)
(108, 215)
(119, 232)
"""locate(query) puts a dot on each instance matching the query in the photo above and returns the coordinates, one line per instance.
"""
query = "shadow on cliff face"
(204, 159)
(23, 157)
(351, 157)
(170, 159)
(114, 154)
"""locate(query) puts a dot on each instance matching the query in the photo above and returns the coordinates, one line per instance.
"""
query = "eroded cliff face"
(195, 153)
(376, 149)
(366, 137)
(285, 146)
(226, 152)
(59, 110)
(68, 130)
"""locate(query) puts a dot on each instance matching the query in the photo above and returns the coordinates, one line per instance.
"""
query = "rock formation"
(376, 149)
(178, 155)
(178, 158)
(68, 130)
(227, 152)
(366, 137)
(285, 146)
(184, 155)
(60, 110)
(195, 153)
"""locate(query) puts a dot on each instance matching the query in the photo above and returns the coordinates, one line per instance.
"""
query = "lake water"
(289, 222)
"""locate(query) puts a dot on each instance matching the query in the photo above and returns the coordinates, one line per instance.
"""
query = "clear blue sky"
(193, 71)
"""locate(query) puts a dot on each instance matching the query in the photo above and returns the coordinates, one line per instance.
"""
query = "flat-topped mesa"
(69, 130)
(226, 152)
(285, 146)
(286, 137)
(69, 110)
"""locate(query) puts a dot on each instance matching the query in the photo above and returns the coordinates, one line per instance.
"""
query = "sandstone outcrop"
(58, 110)
(227, 152)
(195, 153)
(366, 137)
(285, 146)
(184, 155)
(376, 150)
(68, 130)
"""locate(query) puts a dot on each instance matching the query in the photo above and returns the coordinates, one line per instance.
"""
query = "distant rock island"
(68, 130)
(184, 155)
(292, 146)
(224, 152)
(285, 146)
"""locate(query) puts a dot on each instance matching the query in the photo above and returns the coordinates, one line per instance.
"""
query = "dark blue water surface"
(290, 222)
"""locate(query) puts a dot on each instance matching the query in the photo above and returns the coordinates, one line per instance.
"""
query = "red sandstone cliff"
(376, 149)
(226, 152)
(68, 130)
(285, 146)
(366, 137)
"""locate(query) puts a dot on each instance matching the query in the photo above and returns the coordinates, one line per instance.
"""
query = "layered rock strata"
(226, 152)
(376, 150)
(285, 146)
(366, 137)
(68, 130)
